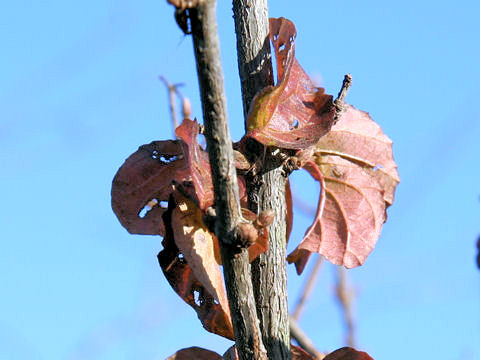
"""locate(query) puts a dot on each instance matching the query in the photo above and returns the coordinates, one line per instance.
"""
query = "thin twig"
(340, 100)
(303, 340)
(227, 203)
(309, 285)
(345, 298)
(172, 91)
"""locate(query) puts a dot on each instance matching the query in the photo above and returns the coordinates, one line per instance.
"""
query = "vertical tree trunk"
(269, 270)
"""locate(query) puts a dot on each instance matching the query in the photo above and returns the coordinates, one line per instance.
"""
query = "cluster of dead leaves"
(345, 353)
(165, 188)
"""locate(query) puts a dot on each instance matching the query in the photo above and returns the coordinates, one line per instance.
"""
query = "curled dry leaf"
(348, 353)
(294, 114)
(193, 273)
(143, 183)
(354, 164)
(194, 353)
(198, 162)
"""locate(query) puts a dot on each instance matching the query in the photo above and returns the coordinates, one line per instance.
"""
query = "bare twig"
(309, 285)
(236, 267)
(345, 298)
(340, 100)
(266, 192)
(303, 340)
(172, 91)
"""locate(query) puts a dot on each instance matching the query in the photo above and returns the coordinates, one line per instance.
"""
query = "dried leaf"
(193, 273)
(194, 353)
(297, 354)
(348, 353)
(356, 137)
(354, 164)
(145, 179)
(294, 114)
(198, 161)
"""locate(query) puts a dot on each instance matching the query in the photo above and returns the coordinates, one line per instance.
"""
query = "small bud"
(264, 219)
(186, 108)
(247, 234)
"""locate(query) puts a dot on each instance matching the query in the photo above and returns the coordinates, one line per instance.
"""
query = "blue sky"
(80, 92)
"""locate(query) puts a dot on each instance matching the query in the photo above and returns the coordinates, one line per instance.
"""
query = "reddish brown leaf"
(348, 353)
(203, 293)
(356, 137)
(198, 161)
(297, 354)
(145, 179)
(294, 114)
(197, 244)
(194, 353)
(358, 177)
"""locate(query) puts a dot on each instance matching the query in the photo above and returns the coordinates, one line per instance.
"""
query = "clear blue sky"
(79, 93)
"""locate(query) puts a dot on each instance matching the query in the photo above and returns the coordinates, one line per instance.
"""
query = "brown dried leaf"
(358, 177)
(193, 272)
(145, 179)
(294, 114)
(194, 353)
(348, 353)
(356, 137)
(198, 161)
(297, 354)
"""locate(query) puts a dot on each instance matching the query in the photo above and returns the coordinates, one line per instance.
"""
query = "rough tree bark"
(266, 191)
(227, 205)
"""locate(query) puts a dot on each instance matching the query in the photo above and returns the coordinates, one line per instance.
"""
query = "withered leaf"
(356, 137)
(204, 292)
(145, 180)
(294, 114)
(297, 353)
(348, 353)
(194, 353)
(198, 162)
(358, 177)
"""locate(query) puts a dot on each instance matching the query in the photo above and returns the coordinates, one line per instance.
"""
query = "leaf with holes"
(194, 353)
(193, 272)
(143, 184)
(358, 180)
(348, 353)
(198, 162)
(294, 114)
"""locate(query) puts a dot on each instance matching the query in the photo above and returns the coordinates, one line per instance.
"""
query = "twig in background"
(345, 298)
(303, 340)
(172, 91)
(307, 289)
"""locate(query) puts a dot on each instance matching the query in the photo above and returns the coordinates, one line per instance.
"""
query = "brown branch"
(303, 340)
(307, 289)
(235, 264)
(340, 100)
(345, 298)
(172, 91)
(266, 192)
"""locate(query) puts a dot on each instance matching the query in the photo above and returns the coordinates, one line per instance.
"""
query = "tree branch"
(266, 192)
(303, 340)
(310, 283)
(236, 267)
